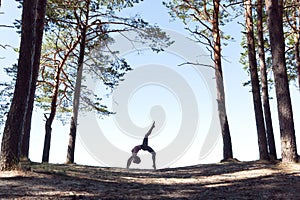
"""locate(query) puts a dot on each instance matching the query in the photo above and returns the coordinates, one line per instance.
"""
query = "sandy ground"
(231, 180)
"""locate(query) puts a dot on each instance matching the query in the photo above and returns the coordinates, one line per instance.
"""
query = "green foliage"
(118, 4)
(65, 23)
(153, 36)
(6, 92)
(289, 38)
(198, 18)
(291, 33)
(56, 46)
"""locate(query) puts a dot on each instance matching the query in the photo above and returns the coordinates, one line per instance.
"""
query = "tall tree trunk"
(49, 120)
(47, 140)
(12, 135)
(227, 146)
(72, 140)
(264, 82)
(285, 112)
(76, 98)
(297, 55)
(259, 118)
(296, 29)
(55, 93)
(41, 11)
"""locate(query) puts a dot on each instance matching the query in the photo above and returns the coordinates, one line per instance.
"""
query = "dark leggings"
(145, 146)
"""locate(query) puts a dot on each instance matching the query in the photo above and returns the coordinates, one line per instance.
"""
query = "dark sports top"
(136, 149)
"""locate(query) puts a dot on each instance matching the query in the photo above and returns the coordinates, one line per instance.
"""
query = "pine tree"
(208, 16)
(262, 140)
(16, 119)
(285, 113)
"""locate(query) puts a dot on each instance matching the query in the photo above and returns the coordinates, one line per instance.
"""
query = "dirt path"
(238, 180)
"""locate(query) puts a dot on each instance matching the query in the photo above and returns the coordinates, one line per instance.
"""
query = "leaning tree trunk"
(285, 112)
(47, 140)
(227, 146)
(49, 120)
(259, 118)
(55, 93)
(41, 11)
(264, 82)
(12, 135)
(76, 99)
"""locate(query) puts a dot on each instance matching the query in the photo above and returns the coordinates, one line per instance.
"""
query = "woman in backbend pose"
(134, 158)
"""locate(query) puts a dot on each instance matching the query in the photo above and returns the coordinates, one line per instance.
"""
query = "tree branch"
(6, 26)
(200, 64)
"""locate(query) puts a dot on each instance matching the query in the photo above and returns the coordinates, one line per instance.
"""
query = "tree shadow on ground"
(244, 180)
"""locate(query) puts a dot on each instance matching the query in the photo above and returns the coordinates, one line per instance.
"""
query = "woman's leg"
(145, 143)
(150, 130)
(154, 159)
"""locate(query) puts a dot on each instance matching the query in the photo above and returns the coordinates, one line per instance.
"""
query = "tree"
(90, 24)
(285, 114)
(39, 28)
(262, 140)
(208, 16)
(264, 80)
(60, 57)
(83, 26)
(12, 135)
(292, 35)
(227, 146)
(86, 25)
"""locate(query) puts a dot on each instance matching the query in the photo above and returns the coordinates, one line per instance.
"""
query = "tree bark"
(72, 140)
(40, 20)
(284, 106)
(264, 82)
(55, 94)
(47, 140)
(227, 146)
(12, 135)
(297, 55)
(259, 118)
(76, 98)
(50, 119)
(296, 29)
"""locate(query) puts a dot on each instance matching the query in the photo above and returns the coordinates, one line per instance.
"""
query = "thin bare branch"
(233, 4)
(6, 26)
(199, 64)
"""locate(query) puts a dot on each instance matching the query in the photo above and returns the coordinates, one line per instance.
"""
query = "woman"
(136, 159)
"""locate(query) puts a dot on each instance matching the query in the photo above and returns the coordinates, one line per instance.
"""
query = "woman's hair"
(136, 160)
